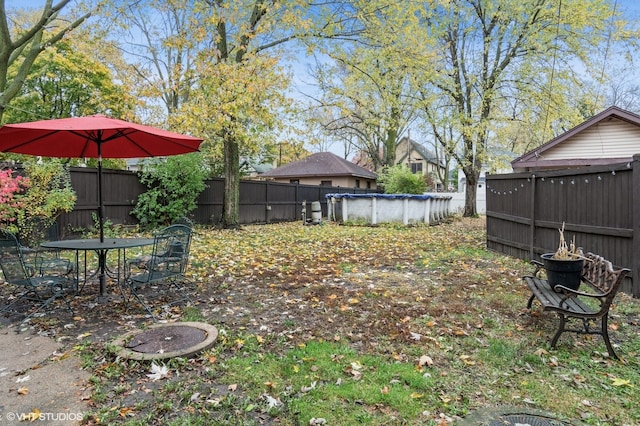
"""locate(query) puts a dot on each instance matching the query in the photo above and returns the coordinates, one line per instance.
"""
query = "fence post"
(532, 228)
(635, 194)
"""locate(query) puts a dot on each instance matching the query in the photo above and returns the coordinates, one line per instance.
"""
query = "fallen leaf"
(23, 379)
(233, 387)
(272, 402)
(23, 391)
(32, 416)
(467, 360)
(415, 336)
(425, 360)
(305, 389)
(126, 411)
(158, 372)
(621, 382)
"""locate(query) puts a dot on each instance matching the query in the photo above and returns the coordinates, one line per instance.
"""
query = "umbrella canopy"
(95, 136)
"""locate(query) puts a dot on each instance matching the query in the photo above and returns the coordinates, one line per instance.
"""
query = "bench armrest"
(539, 266)
(572, 292)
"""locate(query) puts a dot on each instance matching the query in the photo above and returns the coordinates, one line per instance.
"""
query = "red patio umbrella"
(95, 136)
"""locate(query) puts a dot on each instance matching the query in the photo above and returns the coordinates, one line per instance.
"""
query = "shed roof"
(320, 164)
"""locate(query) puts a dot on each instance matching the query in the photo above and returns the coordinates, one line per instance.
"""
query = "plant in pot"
(564, 267)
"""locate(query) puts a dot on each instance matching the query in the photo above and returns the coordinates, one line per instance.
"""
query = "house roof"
(320, 164)
(258, 168)
(533, 157)
(426, 154)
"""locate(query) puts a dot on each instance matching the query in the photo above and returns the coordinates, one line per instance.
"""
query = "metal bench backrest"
(600, 273)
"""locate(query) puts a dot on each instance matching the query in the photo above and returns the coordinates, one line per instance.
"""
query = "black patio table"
(101, 248)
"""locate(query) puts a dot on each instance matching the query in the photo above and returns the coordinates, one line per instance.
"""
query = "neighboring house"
(610, 137)
(326, 169)
(252, 170)
(419, 160)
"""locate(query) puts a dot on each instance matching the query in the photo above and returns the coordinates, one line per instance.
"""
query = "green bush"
(399, 180)
(174, 185)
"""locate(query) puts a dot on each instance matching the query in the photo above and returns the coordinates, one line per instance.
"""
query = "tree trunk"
(390, 147)
(470, 208)
(231, 198)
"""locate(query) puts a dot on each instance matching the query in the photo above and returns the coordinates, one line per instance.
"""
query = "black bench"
(590, 303)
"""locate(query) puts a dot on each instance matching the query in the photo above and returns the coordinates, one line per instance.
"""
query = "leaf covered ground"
(335, 324)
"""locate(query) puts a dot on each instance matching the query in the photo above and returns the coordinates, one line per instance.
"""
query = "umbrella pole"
(100, 206)
(102, 255)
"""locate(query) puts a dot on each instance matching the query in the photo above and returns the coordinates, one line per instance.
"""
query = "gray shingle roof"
(320, 164)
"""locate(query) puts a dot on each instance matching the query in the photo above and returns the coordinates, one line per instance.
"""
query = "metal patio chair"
(43, 261)
(27, 291)
(183, 220)
(163, 269)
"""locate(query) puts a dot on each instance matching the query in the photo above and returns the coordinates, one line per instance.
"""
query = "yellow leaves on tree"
(239, 100)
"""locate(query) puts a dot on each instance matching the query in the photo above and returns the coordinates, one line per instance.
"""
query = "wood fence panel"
(210, 203)
(283, 202)
(525, 211)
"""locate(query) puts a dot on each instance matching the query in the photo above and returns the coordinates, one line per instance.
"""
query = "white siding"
(611, 138)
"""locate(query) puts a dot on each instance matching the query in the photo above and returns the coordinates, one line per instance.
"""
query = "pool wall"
(389, 208)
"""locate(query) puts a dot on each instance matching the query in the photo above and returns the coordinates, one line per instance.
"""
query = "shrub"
(399, 180)
(11, 188)
(174, 185)
(49, 195)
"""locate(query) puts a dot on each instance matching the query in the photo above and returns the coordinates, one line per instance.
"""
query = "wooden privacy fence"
(260, 201)
(600, 206)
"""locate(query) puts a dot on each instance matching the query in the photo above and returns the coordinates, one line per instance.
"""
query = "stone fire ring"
(162, 341)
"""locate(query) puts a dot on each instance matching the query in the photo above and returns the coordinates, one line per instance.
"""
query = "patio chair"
(163, 269)
(43, 261)
(183, 220)
(29, 291)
